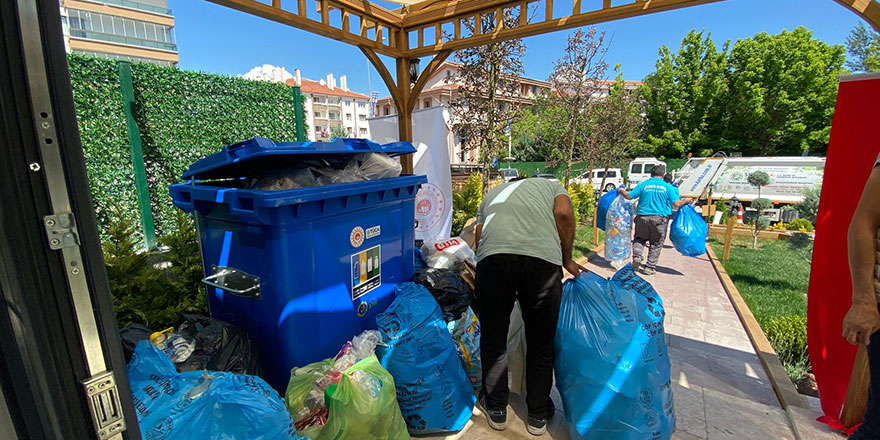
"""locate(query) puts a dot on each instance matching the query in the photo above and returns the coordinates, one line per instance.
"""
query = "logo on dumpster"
(357, 236)
(431, 207)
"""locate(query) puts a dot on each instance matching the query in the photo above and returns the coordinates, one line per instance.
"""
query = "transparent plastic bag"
(618, 232)
(374, 166)
(332, 176)
(444, 254)
(289, 178)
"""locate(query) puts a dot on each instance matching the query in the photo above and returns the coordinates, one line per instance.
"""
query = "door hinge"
(104, 403)
(61, 230)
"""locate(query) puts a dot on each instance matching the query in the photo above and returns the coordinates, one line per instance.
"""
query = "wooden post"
(853, 411)
(728, 237)
(404, 111)
(137, 154)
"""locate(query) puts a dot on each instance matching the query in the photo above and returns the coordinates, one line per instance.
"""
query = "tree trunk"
(755, 238)
(568, 162)
(489, 143)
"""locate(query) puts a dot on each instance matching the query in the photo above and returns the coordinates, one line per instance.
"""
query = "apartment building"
(330, 105)
(131, 30)
(442, 88)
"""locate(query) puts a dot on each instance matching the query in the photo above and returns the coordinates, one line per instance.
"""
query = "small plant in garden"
(721, 206)
(788, 336)
(583, 199)
(338, 131)
(761, 221)
(809, 208)
(800, 224)
(802, 243)
(466, 202)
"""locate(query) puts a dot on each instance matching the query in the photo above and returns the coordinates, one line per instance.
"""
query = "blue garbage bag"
(203, 404)
(612, 367)
(618, 232)
(689, 232)
(602, 210)
(433, 390)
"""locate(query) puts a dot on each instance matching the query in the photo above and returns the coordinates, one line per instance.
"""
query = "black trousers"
(870, 429)
(537, 284)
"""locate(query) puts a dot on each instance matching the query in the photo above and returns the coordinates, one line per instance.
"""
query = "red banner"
(855, 142)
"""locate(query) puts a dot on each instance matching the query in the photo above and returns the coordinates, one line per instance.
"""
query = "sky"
(217, 39)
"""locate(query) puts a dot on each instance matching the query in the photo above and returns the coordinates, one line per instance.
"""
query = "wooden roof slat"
(445, 10)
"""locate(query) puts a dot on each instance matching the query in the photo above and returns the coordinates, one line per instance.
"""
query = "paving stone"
(731, 417)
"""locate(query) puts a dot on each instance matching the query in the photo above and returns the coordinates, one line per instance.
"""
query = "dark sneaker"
(647, 270)
(538, 426)
(497, 418)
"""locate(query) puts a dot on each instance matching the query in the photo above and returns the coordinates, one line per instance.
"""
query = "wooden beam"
(853, 411)
(383, 73)
(302, 22)
(598, 16)
(438, 33)
(499, 19)
(447, 9)
(421, 37)
(301, 8)
(426, 74)
(325, 12)
(404, 112)
(276, 4)
(524, 13)
(370, 10)
(478, 24)
(548, 10)
(606, 4)
(457, 25)
(869, 10)
(576, 7)
(346, 26)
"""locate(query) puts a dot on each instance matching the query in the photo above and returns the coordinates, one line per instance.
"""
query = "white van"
(640, 170)
(613, 180)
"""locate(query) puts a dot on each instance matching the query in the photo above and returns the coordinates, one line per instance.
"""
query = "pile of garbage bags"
(319, 172)
(202, 404)
(433, 390)
(349, 396)
(689, 231)
(200, 343)
(618, 231)
(612, 367)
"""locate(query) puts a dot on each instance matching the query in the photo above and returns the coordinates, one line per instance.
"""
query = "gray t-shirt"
(517, 218)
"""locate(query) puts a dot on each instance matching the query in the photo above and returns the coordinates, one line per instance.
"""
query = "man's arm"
(624, 194)
(565, 224)
(478, 232)
(862, 320)
(682, 202)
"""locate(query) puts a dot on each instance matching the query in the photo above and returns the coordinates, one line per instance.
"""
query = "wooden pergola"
(438, 27)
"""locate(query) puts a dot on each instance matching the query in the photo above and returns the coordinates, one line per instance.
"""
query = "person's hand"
(860, 323)
(574, 268)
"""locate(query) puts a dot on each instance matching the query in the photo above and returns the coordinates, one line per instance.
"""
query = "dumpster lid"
(258, 154)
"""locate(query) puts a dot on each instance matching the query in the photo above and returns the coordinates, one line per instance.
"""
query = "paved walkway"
(720, 388)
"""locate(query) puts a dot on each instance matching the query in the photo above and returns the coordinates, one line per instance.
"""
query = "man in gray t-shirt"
(525, 232)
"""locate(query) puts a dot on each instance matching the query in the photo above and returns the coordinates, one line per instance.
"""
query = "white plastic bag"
(444, 254)
(516, 352)
(374, 166)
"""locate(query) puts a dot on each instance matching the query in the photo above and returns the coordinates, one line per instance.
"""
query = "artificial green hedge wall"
(183, 116)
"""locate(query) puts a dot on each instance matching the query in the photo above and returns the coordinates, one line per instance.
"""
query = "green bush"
(183, 116)
(788, 336)
(151, 288)
(800, 224)
(721, 206)
(583, 201)
(809, 209)
(466, 202)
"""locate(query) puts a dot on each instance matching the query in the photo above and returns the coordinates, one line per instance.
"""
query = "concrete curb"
(785, 390)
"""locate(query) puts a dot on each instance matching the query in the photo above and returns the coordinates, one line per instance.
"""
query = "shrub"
(788, 336)
(583, 200)
(466, 202)
(809, 208)
(721, 206)
(144, 293)
(800, 224)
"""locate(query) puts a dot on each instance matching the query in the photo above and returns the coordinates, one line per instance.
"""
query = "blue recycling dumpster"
(302, 270)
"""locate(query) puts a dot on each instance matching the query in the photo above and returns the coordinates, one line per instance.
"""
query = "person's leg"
(657, 228)
(495, 294)
(642, 236)
(870, 429)
(540, 291)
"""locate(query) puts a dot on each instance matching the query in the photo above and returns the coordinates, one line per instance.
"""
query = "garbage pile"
(618, 232)
(612, 368)
(319, 172)
(349, 396)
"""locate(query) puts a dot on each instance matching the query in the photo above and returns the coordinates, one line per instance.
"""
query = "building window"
(362, 118)
(448, 75)
(98, 26)
(387, 111)
(348, 116)
(333, 116)
(363, 130)
(427, 103)
(317, 100)
(318, 115)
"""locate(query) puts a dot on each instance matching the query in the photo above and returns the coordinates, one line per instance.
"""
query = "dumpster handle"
(234, 281)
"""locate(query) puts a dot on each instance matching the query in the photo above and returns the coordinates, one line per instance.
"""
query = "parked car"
(612, 181)
(509, 173)
(549, 177)
(640, 170)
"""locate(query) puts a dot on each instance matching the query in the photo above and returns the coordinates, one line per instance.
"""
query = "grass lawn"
(583, 241)
(773, 280)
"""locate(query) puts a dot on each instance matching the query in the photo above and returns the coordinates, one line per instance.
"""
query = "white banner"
(432, 137)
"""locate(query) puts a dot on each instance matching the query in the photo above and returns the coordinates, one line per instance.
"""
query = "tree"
(682, 95)
(759, 179)
(809, 208)
(577, 78)
(782, 92)
(338, 131)
(618, 123)
(489, 85)
(863, 45)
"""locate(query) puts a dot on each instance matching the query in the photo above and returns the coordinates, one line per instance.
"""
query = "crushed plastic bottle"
(618, 232)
